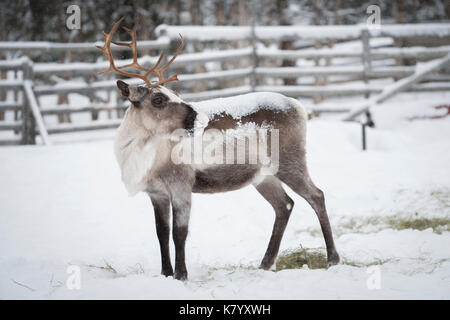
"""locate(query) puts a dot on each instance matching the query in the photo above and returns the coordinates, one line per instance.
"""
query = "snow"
(244, 104)
(215, 33)
(421, 70)
(212, 56)
(210, 94)
(65, 205)
(13, 63)
(53, 67)
(146, 61)
(10, 83)
(413, 30)
(34, 106)
(162, 42)
(217, 75)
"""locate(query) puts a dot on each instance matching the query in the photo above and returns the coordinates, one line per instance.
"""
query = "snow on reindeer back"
(244, 104)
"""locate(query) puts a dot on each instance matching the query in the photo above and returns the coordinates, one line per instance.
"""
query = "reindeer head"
(158, 110)
(154, 107)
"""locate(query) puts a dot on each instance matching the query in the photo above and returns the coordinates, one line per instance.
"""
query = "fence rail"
(262, 70)
(336, 32)
(161, 43)
(190, 59)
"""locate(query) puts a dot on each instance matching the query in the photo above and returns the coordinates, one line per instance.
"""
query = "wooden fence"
(254, 65)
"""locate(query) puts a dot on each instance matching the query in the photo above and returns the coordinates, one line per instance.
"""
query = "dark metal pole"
(363, 126)
(368, 123)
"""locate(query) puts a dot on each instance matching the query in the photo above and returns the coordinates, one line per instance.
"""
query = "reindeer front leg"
(161, 205)
(181, 207)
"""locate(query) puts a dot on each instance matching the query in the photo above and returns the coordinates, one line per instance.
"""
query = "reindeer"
(144, 145)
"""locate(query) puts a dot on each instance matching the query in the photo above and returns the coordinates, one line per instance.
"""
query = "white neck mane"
(135, 151)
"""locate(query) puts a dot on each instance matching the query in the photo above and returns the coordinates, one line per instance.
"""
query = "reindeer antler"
(133, 46)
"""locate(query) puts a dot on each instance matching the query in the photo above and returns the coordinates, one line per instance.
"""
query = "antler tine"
(173, 77)
(159, 72)
(132, 32)
(180, 48)
(106, 48)
(132, 45)
(152, 69)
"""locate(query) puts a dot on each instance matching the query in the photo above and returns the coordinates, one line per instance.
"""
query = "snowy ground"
(65, 205)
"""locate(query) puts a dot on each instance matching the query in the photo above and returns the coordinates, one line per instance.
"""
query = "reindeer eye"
(158, 101)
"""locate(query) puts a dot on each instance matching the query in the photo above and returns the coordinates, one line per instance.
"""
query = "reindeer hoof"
(333, 259)
(167, 272)
(181, 275)
(265, 266)
(266, 263)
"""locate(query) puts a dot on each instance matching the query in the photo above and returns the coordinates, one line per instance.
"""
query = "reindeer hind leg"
(299, 181)
(270, 188)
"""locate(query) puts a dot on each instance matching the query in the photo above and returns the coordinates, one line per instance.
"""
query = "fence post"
(3, 92)
(28, 121)
(366, 57)
(255, 62)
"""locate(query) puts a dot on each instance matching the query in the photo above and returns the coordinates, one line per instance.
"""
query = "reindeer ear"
(123, 87)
